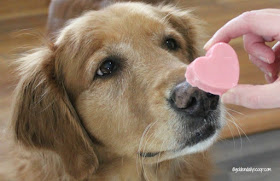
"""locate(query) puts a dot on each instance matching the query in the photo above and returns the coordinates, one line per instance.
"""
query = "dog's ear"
(189, 26)
(44, 117)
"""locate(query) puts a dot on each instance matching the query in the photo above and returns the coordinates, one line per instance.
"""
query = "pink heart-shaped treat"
(217, 72)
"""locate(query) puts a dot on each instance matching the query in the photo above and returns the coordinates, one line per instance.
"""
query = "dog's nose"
(193, 101)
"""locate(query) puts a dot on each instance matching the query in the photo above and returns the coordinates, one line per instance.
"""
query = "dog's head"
(113, 83)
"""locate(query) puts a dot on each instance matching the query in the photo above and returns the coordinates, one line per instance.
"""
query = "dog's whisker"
(229, 126)
(163, 142)
(146, 131)
(234, 120)
(141, 140)
(235, 111)
(144, 148)
(230, 119)
(239, 133)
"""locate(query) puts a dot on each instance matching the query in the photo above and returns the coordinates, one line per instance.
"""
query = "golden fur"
(69, 124)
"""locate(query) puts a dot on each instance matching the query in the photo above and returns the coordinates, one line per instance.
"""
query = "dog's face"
(122, 69)
(136, 100)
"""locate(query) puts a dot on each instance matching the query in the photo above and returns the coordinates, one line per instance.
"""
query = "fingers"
(257, 51)
(274, 11)
(270, 70)
(258, 27)
(255, 46)
(270, 79)
(254, 96)
(276, 49)
(261, 23)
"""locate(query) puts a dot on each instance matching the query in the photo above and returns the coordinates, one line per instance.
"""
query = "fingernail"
(207, 45)
(267, 78)
(264, 59)
(271, 78)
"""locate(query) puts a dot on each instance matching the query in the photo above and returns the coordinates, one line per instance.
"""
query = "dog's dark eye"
(171, 44)
(106, 68)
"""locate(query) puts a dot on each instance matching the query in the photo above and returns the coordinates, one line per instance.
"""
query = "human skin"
(257, 27)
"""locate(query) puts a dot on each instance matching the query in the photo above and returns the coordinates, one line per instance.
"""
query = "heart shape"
(216, 72)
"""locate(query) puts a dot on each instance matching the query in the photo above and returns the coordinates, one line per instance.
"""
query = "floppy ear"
(189, 26)
(44, 117)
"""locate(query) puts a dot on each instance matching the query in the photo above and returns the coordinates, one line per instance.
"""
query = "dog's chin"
(199, 140)
(151, 158)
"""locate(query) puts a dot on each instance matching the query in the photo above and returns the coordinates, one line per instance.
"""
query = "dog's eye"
(106, 68)
(171, 44)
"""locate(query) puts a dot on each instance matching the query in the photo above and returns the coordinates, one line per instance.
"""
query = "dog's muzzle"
(198, 111)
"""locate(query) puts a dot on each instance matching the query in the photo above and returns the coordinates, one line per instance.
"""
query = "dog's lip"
(196, 133)
(200, 134)
(148, 154)
(153, 154)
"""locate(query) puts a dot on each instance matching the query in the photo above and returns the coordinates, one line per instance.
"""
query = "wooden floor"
(20, 19)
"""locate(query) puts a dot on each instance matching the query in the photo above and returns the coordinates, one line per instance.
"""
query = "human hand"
(254, 96)
(257, 27)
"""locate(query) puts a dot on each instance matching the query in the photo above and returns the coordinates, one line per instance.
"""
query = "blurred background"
(22, 22)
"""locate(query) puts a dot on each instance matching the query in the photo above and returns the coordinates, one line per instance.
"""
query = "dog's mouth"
(148, 154)
(200, 134)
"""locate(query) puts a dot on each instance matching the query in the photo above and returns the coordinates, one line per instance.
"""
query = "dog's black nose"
(193, 101)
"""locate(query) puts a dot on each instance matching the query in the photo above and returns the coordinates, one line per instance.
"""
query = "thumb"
(254, 96)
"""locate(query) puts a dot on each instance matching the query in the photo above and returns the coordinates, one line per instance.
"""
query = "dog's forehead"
(132, 19)
(120, 29)
(123, 9)
(116, 22)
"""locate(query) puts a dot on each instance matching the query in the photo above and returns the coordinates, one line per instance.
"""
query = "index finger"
(259, 22)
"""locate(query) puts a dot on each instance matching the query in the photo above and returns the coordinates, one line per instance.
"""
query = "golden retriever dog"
(107, 100)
